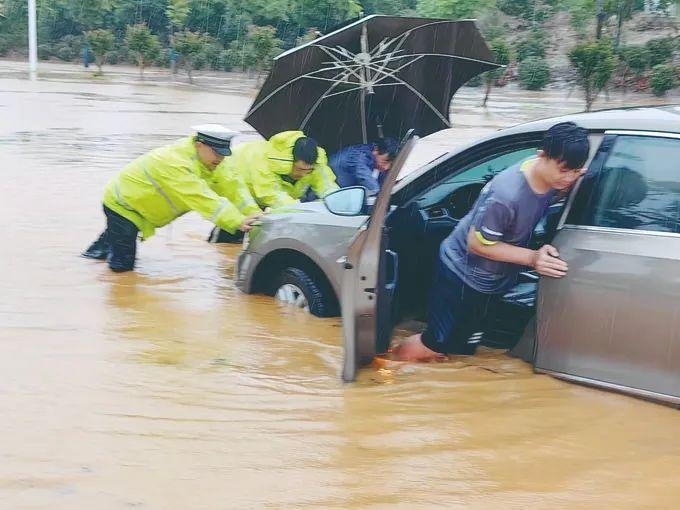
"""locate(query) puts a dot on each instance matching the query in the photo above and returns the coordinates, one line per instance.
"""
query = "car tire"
(296, 287)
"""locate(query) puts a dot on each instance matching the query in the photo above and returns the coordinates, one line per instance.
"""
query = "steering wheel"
(460, 202)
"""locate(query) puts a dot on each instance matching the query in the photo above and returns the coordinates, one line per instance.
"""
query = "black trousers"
(117, 244)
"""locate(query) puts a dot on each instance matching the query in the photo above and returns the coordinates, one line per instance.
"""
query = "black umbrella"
(378, 76)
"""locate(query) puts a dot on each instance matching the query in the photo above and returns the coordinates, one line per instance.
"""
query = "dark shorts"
(456, 313)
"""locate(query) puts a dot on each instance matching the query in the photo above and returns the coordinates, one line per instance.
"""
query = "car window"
(482, 171)
(637, 187)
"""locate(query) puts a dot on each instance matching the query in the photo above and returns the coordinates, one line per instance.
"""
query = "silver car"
(612, 322)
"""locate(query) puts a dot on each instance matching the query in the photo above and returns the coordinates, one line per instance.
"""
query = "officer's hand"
(548, 263)
(248, 221)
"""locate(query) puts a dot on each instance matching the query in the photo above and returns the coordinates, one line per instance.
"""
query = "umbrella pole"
(365, 73)
(365, 86)
(364, 135)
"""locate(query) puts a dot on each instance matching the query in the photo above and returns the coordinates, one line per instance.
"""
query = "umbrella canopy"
(378, 76)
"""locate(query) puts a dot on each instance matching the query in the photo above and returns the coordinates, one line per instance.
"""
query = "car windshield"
(437, 145)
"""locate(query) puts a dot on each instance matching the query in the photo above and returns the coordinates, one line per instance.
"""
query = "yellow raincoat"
(265, 166)
(166, 183)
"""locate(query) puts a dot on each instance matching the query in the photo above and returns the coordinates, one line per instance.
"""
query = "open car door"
(369, 281)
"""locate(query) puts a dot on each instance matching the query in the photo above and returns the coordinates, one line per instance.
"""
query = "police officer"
(161, 185)
(278, 172)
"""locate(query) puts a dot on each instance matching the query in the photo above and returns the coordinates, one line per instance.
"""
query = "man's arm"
(485, 239)
(195, 194)
(229, 184)
(545, 260)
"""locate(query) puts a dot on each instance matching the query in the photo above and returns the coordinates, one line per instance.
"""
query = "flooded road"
(168, 389)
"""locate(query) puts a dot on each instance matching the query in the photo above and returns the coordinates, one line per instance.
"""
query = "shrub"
(534, 73)
(534, 46)
(162, 59)
(44, 51)
(211, 54)
(636, 59)
(68, 48)
(65, 53)
(662, 79)
(224, 62)
(660, 50)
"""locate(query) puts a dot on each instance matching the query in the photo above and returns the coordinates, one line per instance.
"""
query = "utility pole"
(32, 40)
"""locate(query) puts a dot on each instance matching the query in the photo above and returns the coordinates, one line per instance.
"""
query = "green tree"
(532, 11)
(191, 46)
(143, 44)
(623, 9)
(534, 73)
(323, 14)
(583, 11)
(393, 7)
(101, 42)
(453, 9)
(594, 63)
(258, 49)
(177, 13)
(662, 79)
(501, 52)
(150, 12)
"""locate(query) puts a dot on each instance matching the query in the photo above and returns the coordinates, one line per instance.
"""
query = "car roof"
(664, 118)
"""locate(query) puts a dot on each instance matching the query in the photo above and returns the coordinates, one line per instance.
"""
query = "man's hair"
(306, 149)
(387, 146)
(567, 142)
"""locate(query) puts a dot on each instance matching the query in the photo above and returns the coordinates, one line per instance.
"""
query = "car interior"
(417, 227)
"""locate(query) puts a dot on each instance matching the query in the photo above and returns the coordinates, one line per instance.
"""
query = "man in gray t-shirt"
(481, 258)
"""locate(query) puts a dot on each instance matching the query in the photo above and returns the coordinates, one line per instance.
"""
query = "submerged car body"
(612, 322)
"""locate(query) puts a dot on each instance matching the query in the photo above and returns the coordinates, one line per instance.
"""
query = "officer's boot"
(98, 250)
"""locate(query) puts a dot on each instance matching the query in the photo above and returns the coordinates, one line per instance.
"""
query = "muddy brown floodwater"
(168, 389)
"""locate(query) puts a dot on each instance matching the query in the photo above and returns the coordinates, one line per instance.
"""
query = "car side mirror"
(346, 201)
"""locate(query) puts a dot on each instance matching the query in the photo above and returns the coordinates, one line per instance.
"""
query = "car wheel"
(295, 287)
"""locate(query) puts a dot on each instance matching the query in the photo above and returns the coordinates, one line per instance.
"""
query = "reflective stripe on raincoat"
(166, 183)
(265, 167)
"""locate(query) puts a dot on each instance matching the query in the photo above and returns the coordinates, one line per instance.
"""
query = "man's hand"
(248, 221)
(546, 262)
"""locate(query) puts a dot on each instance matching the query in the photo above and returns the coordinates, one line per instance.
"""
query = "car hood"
(310, 213)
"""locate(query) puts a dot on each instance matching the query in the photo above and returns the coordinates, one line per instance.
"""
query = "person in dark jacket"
(364, 165)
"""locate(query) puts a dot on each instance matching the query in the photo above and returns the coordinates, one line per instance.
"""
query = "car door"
(366, 270)
(614, 320)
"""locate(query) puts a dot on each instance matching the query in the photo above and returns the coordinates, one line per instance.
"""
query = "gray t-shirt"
(507, 210)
